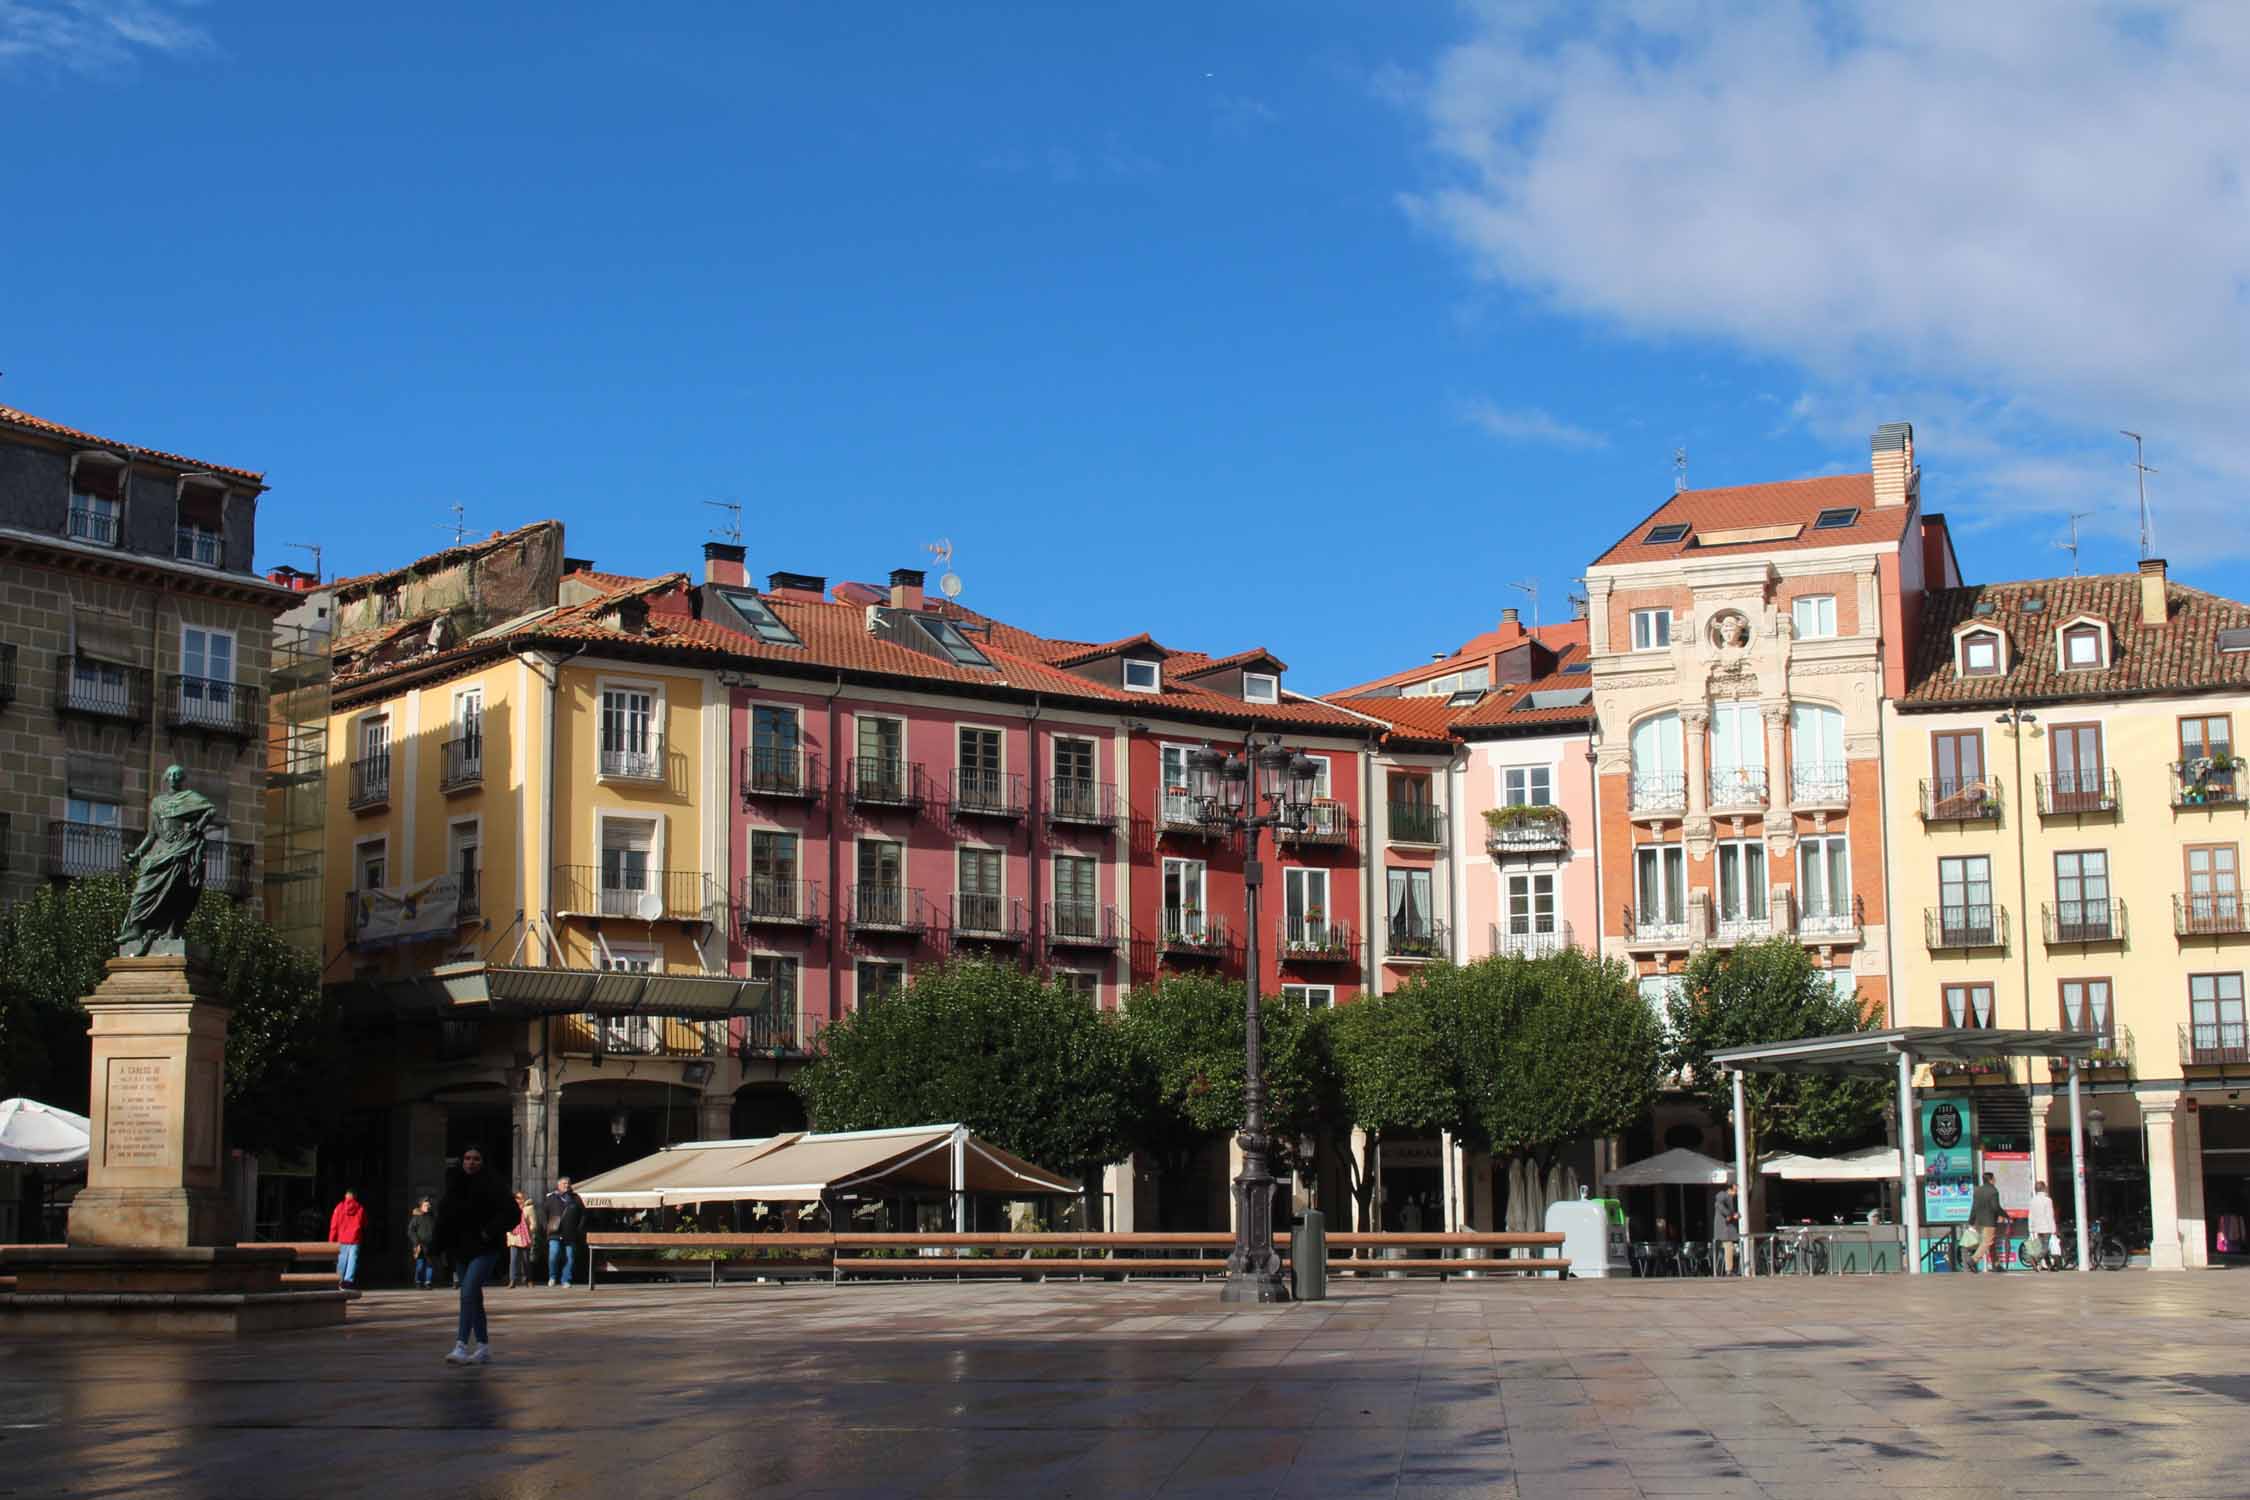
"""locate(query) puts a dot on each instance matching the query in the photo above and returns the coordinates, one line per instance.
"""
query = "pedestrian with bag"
(1985, 1218)
(519, 1245)
(473, 1220)
(566, 1221)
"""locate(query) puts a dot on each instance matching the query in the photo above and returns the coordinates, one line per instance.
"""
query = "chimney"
(631, 616)
(807, 587)
(577, 565)
(906, 588)
(1896, 479)
(1441, 656)
(1508, 616)
(2155, 609)
(722, 563)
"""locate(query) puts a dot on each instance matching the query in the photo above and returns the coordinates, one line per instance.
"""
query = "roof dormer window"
(1143, 676)
(2082, 645)
(1980, 653)
(1261, 687)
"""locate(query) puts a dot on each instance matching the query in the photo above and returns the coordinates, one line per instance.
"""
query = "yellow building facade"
(2066, 817)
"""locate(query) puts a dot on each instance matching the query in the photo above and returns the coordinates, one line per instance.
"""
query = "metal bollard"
(1308, 1255)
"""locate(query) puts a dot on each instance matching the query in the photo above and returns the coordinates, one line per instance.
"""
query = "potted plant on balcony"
(2210, 778)
(1524, 820)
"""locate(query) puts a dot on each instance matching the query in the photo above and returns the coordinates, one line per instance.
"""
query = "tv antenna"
(2071, 546)
(1679, 468)
(949, 583)
(1530, 586)
(729, 530)
(2148, 543)
(314, 549)
(458, 526)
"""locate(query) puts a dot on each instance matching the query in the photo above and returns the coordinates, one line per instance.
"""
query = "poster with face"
(1948, 1160)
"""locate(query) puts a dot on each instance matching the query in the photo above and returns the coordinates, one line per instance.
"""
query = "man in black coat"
(565, 1213)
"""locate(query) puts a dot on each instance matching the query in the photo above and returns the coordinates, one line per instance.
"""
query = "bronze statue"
(167, 869)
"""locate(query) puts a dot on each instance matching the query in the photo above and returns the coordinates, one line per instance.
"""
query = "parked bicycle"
(2108, 1250)
(1794, 1249)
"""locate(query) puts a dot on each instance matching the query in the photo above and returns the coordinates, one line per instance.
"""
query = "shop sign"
(1948, 1160)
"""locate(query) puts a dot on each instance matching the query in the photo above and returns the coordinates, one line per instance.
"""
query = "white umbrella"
(1515, 1195)
(1570, 1183)
(40, 1134)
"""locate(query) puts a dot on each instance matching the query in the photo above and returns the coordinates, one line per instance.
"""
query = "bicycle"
(1796, 1250)
(2108, 1250)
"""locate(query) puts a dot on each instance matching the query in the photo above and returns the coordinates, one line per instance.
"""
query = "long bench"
(301, 1250)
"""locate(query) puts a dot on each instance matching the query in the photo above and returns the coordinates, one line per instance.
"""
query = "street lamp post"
(1223, 783)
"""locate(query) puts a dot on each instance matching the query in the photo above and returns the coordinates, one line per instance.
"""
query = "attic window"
(1837, 519)
(1464, 698)
(764, 623)
(2234, 638)
(1261, 687)
(952, 642)
(1980, 654)
(1670, 531)
(2034, 605)
(1983, 607)
(1143, 676)
(2082, 648)
(1555, 698)
(1577, 667)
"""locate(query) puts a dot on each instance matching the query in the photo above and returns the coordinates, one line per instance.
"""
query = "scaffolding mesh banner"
(407, 913)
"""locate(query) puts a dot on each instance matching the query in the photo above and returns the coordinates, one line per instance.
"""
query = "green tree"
(1770, 992)
(282, 1039)
(1553, 1050)
(1397, 1066)
(1026, 1064)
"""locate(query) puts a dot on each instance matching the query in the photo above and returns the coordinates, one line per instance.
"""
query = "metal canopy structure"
(524, 990)
(1897, 1052)
(805, 1167)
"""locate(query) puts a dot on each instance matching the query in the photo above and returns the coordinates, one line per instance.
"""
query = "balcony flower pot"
(1523, 817)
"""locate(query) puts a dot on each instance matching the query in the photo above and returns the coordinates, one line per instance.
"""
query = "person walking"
(2045, 1244)
(519, 1245)
(566, 1221)
(1985, 1217)
(345, 1225)
(473, 1219)
(421, 1233)
(1726, 1218)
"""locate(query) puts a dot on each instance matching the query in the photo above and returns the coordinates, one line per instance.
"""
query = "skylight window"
(764, 623)
(952, 642)
(1577, 667)
(1670, 531)
(1837, 519)
(1464, 698)
(2234, 638)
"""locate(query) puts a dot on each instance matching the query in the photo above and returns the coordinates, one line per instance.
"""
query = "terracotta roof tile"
(1478, 650)
(14, 418)
(451, 556)
(1795, 500)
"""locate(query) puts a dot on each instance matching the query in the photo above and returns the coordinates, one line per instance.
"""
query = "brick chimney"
(806, 588)
(722, 563)
(1508, 616)
(1896, 478)
(906, 588)
(2155, 608)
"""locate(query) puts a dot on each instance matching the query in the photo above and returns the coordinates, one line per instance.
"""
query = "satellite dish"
(649, 906)
(950, 585)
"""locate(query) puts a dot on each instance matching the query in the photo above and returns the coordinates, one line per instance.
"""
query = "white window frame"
(1651, 629)
(1980, 632)
(211, 693)
(381, 844)
(454, 843)
(656, 823)
(2103, 645)
(632, 958)
(1751, 896)
(1155, 683)
(1164, 782)
(1306, 878)
(1322, 773)
(1656, 992)
(1317, 996)
(1667, 857)
(1823, 612)
(1096, 981)
(657, 718)
(1261, 687)
(363, 727)
(1838, 905)
(1508, 791)
(1201, 924)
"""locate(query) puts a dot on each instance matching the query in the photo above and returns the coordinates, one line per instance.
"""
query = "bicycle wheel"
(2110, 1253)
(1816, 1257)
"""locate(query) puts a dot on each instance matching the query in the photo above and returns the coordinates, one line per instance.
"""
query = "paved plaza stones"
(1834, 1388)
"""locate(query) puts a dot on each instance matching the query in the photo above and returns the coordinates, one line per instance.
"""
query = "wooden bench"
(303, 1251)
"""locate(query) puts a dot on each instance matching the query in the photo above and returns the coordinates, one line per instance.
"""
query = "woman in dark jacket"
(421, 1234)
(473, 1220)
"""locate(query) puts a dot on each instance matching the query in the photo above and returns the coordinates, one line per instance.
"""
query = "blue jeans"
(562, 1261)
(470, 1327)
(425, 1271)
(347, 1264)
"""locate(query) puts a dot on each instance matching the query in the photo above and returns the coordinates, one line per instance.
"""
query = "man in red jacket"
(344, 1227)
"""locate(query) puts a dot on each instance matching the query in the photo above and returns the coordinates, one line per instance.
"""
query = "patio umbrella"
(1515, 1195)
(40, 1134)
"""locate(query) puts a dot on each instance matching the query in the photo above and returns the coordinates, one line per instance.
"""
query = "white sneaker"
(459, 1355)
(480, 1355)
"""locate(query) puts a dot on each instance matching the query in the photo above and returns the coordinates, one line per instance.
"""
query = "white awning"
(1674, 1168)
(803, 1168)
(38, 1134)
(1872, 1164)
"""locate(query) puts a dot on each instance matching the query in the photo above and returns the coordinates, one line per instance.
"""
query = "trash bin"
(1308, 1255)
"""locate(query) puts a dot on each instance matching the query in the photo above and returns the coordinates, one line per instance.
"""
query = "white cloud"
(1527, 424)
(91, 36)
(2021, 224)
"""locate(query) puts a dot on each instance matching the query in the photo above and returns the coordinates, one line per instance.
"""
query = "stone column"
(154, 1166)
(2158, 1113)
(529, 1124)
(714, 1116)
(2195, 1250)
(1695, 725)
(2040, 1170)
(1777, 766)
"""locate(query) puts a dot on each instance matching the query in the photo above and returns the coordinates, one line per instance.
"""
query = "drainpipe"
(1594, 797)
(1367, 865)
(835, 856)
(1031, 834)
(2023, 879)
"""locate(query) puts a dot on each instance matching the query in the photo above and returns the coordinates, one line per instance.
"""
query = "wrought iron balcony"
(1417, 942)
(2115, 1054)
(2075, 792)
(638, 895)
(1949, 801)
(642, 761)
(370, 782)
(2214, 1044)
(2209, 781)
(2083, 922)
(1831, 921)
(887, 908)
(1193, 817)
(769, 901)
(1534, 829)
(776, 1031)
(1530, 937)
(468, 901)
(76, 851)
(1081, 924)
(988, 918)
(1656, 929)
(102, 527)
(1191, 933)
(987, 794)
(199, 544)
(782, 773)
(1822, 784)
(1310, 939)
(2218, 914)
(215, 707)
(95, 689)
(1089, 804)
(1738, 788)
(1961, 927)
(882, 782)
(1658, 792)
(640, 1036)
(227, 866)
(1730, 928)
(1420, 823)
(462, 761)
(1328, 824)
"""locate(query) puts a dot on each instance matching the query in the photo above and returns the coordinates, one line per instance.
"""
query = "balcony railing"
(1822, 784)
(2217, 915)
(786, 772)
(2114, 1055)
(2212, 1044)
(1327, 823)
(1658, 792)
(640, 1036)
(1946, 801)
(777, 1031)
(370, 782)
(1418, 823)
(468, 902)
(1311, 939)
(1735, 787)
(1835, 921)
(1532, 937)
(643, 895)
(199, 544)
(769, 901)
(1090, 804)
(887, 908)
(2208, 782)
(1537, 829)
(2083, 922)
(1981, 926)
(1728, 929)
(882, 782)
(215, 707)
(78, 850)
(2075, 792)
(641, 762)
(987, 918)
(226, 867)
(1656, 927)
(1194, 934)
(987, 794)
(96, 689)
(1081, 924)
(1417, 942)
(7, 673)
(463, 762)
(101, 527)
(1183, 814)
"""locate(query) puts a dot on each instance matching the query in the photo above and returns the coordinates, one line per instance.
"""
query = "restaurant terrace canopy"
(806, 1167)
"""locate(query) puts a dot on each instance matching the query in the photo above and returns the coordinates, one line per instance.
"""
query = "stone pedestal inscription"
(134, 1127)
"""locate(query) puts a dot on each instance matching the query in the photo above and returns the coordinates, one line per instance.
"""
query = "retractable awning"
(806, 1167)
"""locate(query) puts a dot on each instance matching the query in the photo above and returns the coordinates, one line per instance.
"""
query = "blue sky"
(1311, 326)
